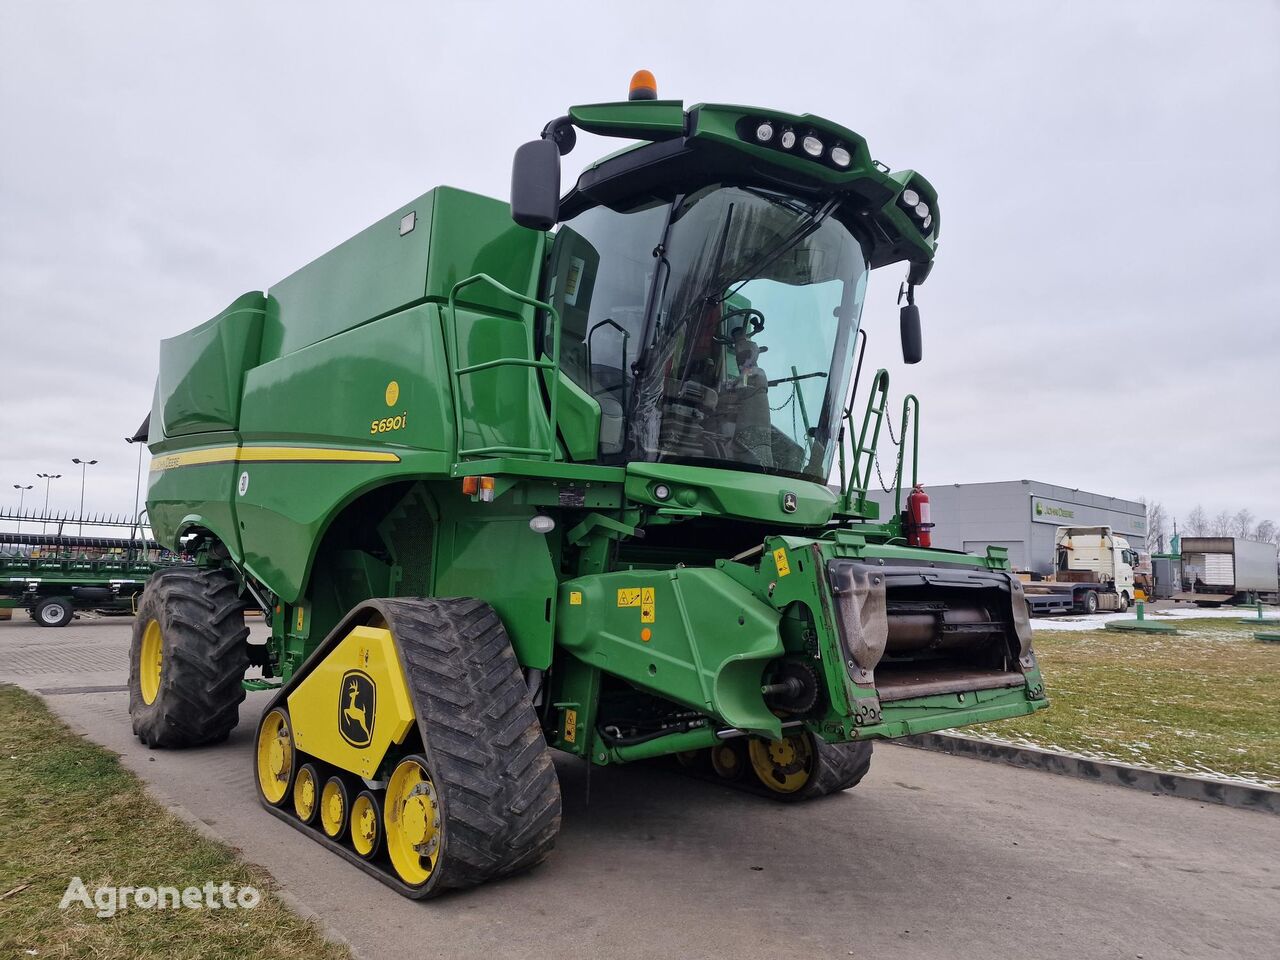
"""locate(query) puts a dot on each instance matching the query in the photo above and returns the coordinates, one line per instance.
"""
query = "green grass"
(1204, 701)
(67, 808)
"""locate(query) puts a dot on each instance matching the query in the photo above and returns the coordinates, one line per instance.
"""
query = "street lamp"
(137, 487)
(84, 465)
(22, 493)
(48, 478)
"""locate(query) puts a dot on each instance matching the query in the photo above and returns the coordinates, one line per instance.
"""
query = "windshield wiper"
(803, 230)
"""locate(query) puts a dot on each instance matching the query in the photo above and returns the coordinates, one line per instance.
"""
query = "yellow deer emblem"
(356, 720)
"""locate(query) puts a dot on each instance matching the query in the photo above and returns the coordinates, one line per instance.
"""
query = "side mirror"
(912, 345)
(535, 185)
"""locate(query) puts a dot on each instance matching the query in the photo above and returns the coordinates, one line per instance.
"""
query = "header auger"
(501, 487)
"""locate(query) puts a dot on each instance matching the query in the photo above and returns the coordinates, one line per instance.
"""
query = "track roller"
(306, 793)
(366, 824)
(335, 805)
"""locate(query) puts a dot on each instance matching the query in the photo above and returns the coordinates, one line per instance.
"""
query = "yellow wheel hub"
(413, 819)
(150, 661)
(333, 808)
(275, 757)
(304, 794)
(785, 765)
(364, 825)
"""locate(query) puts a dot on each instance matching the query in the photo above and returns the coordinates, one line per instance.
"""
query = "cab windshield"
(715, 330)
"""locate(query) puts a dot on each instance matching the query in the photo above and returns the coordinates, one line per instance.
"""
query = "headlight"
(841, 157)
(922, 210)
(812, 146)
(928, 222)
(910, 198)
(788, 139)
(764, 132)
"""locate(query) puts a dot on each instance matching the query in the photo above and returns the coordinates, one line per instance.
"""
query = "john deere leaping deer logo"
(356, 701)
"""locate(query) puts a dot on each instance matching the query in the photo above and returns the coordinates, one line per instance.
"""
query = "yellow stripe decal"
(208, 455)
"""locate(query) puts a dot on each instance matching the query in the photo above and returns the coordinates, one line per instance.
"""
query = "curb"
(1242, 796)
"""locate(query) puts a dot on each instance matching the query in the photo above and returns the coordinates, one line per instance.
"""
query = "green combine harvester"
(554, 474)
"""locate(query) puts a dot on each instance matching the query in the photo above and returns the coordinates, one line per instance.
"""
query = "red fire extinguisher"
(918, 522)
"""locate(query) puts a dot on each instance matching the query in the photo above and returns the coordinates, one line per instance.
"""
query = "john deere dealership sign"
(1053, 511)
(1061, 514)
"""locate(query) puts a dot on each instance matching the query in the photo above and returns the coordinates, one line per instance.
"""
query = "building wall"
(1023, 516)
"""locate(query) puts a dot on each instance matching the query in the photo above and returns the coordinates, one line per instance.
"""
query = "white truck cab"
(1097, 554)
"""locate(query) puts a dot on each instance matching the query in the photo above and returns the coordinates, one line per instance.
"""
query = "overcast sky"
(1104, 309)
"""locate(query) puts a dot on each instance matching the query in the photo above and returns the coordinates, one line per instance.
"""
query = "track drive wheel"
(802, 767)
(481, 800)
(187, 659)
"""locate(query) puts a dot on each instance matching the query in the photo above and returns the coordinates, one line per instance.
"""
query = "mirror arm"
(561, 132)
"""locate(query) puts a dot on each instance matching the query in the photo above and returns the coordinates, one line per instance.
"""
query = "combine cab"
(501, 487)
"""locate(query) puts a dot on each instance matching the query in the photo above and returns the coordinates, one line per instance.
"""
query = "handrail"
(910, 400)
(456, 373)
(860, 479)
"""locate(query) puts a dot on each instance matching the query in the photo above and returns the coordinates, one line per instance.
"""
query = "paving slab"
(931, 857)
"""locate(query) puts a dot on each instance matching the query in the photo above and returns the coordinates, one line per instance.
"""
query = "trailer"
(53, 577)
(1093, 571)
(1218, 570)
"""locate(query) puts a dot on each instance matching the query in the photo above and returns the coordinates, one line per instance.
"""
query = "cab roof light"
(643, 86)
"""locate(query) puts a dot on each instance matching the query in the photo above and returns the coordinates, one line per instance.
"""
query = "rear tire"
(202, 659)
(1090, 602)
(54, 612)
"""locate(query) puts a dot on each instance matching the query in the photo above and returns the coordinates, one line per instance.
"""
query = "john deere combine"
(563, 482)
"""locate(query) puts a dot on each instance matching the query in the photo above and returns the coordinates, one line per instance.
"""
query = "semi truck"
(1218, 570)
(552, 474)
(1093, 570)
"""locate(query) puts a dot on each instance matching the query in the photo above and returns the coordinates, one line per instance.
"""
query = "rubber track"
(840, 766)
(491, 762)
(206, 655)
(481, 737)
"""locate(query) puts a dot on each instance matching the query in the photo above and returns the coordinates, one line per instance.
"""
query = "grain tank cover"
(202, 371)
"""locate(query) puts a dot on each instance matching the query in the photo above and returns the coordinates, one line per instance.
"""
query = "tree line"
(1242, 523)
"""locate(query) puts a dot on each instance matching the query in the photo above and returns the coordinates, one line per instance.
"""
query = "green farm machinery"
(52, 576)
(556, 474)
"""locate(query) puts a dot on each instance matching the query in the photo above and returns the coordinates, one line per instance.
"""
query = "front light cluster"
(769, 133)
(912, 202)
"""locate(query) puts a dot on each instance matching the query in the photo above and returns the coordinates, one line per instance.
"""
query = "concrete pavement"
(931, 857)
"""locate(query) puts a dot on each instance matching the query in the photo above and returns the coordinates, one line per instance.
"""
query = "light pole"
(84, 465)
(48, 479)
(137, 487)
(22, 495)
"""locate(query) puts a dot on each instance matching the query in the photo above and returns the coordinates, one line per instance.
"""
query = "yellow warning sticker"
(301, 612)
(646, 604)
(629, 597)
(575, 598)
(570, 726)
(780, 559)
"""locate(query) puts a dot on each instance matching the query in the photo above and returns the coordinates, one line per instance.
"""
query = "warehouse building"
(1022, 515)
